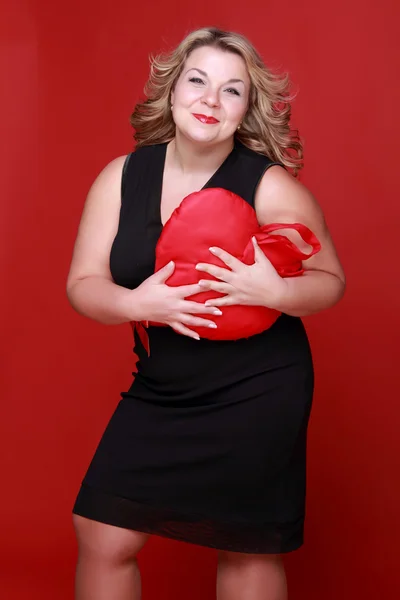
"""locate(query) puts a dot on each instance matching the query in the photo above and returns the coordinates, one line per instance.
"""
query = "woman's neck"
(192, 158)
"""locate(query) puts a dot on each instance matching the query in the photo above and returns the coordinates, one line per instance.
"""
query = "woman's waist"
(173, 357)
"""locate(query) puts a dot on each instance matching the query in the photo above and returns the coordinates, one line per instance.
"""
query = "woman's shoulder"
(144, 154)
(250, 156)
(141, 160)
(147, 151)
(250, 164)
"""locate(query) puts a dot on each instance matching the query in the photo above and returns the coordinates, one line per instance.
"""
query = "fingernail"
(217, 312)
(213, 326)
(212, 249)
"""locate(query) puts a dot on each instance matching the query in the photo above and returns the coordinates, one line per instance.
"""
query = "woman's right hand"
(166, 304)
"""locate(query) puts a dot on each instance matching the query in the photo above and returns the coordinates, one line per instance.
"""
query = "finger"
(187, 319)
(224, 301)
(231, 261)
(216, 286)
(196, 308)
(180, 328)
(162, 275)
(218, 272)
(258, 253)
(184, 291)
(261, 258)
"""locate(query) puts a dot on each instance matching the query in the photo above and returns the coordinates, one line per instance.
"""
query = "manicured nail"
(213, 326)
(217, 312)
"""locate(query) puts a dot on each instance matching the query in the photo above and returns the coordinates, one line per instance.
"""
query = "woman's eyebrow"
(205, 75)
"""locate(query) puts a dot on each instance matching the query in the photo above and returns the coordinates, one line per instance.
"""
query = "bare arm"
(90, 287)
(282, 199)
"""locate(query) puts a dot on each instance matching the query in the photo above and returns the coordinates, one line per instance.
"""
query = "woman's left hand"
(258, 284)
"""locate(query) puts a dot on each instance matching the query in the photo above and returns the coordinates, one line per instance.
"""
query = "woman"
(209, 444)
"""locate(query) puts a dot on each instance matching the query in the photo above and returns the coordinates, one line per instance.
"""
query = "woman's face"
(211, 95)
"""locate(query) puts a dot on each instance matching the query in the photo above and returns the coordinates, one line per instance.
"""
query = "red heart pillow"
(218, 217)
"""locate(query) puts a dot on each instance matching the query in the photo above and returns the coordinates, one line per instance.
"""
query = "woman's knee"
(108, 543)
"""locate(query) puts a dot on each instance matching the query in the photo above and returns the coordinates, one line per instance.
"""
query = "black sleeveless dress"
(208, 445)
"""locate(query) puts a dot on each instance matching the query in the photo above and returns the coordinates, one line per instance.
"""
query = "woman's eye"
(200, 81)
(233, 91)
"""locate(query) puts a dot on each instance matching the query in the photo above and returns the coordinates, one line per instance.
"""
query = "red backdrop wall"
(73, 73)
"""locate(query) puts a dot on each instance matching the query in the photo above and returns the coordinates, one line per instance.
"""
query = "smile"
(206, 120)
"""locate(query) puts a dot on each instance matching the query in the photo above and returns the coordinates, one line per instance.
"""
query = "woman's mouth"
(206, 120)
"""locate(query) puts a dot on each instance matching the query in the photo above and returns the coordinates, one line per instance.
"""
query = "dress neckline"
(208, 184)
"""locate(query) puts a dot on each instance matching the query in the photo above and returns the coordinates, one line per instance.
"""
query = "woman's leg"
(107, 567)
(250, 577)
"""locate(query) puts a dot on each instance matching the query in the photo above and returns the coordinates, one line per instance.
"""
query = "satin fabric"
(218, 217)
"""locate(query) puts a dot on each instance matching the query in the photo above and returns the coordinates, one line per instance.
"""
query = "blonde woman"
(208, 445)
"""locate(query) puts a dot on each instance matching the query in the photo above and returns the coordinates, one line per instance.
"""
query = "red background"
(72, 74)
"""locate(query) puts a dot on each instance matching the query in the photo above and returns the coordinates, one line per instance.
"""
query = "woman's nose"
(211, 98)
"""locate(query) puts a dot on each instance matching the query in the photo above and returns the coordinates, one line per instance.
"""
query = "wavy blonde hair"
(266, 124)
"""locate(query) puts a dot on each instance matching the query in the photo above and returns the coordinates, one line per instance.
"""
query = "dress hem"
(246, 537)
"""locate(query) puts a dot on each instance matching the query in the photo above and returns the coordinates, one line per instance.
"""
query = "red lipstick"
(205, 119)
